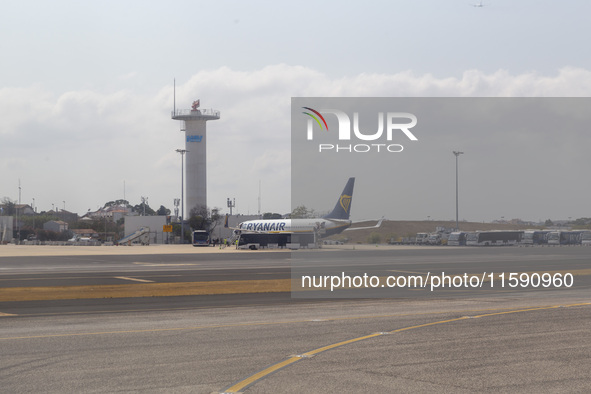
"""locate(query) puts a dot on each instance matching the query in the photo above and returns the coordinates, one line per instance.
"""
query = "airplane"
(283, 231)
(479, 5)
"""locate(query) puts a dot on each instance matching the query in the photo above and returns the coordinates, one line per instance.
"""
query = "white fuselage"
(277, 226)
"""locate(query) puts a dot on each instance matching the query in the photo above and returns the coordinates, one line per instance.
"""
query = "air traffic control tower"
(193, 123)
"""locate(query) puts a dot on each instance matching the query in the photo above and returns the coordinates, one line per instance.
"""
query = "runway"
(210, 271)
(517, 340)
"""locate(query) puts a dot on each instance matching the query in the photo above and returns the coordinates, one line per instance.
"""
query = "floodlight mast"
(457, 153)
(182, 152)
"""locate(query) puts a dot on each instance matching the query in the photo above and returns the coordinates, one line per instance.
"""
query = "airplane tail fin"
(342, 208)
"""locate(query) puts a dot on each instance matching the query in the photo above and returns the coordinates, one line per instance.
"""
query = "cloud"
(80, 146)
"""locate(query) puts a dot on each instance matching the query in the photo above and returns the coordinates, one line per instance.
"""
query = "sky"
(86, 91)
(521, 155)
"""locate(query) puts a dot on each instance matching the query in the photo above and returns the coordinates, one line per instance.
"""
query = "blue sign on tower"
(194, 138)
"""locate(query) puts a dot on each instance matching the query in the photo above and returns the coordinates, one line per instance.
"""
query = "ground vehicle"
(535, 237)
(421, 238)
(457, 238)
(201, 238)
(255, 241)
(493, 238)
(564, 237)
(434, 239)
(586, 238)
(141, 235)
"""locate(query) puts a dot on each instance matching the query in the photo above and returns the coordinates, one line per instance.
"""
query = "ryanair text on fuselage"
(269, 225)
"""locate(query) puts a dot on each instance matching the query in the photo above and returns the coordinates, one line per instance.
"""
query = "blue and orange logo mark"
(316, 118)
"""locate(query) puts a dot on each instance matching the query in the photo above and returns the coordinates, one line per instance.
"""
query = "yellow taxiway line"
(252, 379)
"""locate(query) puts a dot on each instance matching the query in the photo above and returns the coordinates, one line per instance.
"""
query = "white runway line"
(134, 279)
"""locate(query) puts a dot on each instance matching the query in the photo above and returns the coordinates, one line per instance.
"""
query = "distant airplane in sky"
(479, 4)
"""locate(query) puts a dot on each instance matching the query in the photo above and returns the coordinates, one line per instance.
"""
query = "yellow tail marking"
(345, 202)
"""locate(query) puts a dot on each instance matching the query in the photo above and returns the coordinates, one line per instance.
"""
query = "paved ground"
(435, 346)
(516, 341)
(11, 250)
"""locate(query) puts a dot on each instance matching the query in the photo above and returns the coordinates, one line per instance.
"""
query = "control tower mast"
(193, 123)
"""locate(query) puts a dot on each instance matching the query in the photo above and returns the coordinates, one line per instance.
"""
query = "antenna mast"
(259, 197)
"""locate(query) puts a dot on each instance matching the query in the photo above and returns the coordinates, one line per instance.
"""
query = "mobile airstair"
(142, 236)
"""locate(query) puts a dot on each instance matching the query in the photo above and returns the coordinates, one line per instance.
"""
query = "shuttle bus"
(535, 237)
(564, 237)
(255, 241)
(586, 238)
(457, 238)
(201, 238)
(493, 238)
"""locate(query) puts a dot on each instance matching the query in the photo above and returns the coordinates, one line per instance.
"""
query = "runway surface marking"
(6, 314)
(164, 264)
(252, 379)
(134, 279)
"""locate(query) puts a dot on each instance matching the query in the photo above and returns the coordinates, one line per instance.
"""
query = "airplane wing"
(365, 228)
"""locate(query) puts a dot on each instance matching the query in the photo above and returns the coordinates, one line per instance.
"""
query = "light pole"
(231, 204)
(457, 153)
(18, 224)
(144, 202)
(34, 212)
(182, 152)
